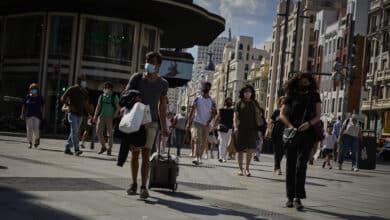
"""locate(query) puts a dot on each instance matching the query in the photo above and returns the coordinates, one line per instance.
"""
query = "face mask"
(247, 95)
(83, 84)
(229, 104)
(34, 91)
(150, 68)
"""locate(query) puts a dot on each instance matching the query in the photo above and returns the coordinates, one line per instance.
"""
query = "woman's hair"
(293, 84)
(280, 100)
(242, 90)
(33, 86)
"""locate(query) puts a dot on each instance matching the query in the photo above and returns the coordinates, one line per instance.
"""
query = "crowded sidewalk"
(44, 183)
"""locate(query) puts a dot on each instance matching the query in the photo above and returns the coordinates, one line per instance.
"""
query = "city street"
(46, 184)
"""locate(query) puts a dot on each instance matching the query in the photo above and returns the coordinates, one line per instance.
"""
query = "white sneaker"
(205, 157)
(355, 169)
(224, 160)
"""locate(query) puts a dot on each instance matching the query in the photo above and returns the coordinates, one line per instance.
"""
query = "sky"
(244, 17)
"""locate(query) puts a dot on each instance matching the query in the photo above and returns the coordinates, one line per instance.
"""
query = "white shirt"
(203, 108)
(328, 141)
(351, 129)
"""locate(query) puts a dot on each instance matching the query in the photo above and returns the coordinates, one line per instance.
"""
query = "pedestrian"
(349, 140)
(106, 110)
(180, 126)
(202, 113)
(300, 111)
(211, 141)
(32, 109)
(86, 127)
(327, 146)
(75, 99)
(224, 121)
(336, 132)
(260, 132)
(164, 140)
(153, 89)
(276, 137)
(247, 120)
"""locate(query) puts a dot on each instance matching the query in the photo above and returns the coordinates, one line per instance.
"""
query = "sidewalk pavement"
(46, 184)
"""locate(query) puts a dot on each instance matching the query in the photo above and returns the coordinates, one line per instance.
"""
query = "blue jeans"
(349, 142)
(179, 139)
(73, 140)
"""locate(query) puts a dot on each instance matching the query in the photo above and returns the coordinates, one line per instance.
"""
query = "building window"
(245, 76)
(340, 104)
(239, 55)
(333, 104)
(112, 42)
(326, 49)
(247, 56)
(240, 47)
(260, 58)
(246, 67)
(248, 47)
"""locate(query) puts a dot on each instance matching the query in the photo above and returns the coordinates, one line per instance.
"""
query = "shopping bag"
(132, 120)
(147, 115)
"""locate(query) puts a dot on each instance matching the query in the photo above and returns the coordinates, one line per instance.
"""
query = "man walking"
(349, 139)
(76, 100)
(153, 89)
(106, 110)
(204, 109)
(336, 132)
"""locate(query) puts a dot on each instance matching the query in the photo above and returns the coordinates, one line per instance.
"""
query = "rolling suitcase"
(164, 169)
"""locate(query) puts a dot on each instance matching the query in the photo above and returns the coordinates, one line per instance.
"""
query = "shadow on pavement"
(344, 216)
(327, 179)
(16, 141)
(15, 204)
(55, 184)
(181, 195)
(283, 180)
(205, 210)
(3, 167)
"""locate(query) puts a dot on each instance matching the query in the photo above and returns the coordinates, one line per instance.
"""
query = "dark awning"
(184, 24)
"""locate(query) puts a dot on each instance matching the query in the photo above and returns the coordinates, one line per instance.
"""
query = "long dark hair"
(293, 84)
(242, 90)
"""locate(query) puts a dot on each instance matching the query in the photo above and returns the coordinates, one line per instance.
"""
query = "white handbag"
(147, 115)
(132, 120)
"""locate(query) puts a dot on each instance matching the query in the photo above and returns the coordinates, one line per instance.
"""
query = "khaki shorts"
(200, 134)
(151, 131)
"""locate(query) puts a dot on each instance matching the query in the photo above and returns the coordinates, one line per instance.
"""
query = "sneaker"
(256, 158)
(330, 167)
(36, 145)
(78, 152)
(224, 160)
(102, 150)
(355, 169)
(220, 160)
(298, 204)
(109, 152)
(289, 203)
(92, 146)
(82, 146)
(68, 152)
(132, 190)
(195, 161)
(278, 172)
(30, 146)
(323, 165)
(205, 157)
(144, 194)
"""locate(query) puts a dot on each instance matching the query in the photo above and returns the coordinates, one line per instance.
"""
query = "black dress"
(247, 128)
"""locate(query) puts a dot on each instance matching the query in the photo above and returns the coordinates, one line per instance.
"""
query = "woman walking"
(32, 112)
(300, 111)
(247, 120)
(276, 137)
(225, 126)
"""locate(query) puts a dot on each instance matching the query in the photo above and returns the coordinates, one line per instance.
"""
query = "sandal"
(247, 173)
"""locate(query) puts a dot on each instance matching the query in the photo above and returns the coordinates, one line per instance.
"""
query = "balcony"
(381, 104)
(375, 4)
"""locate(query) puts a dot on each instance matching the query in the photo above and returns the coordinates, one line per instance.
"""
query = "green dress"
(247, 128)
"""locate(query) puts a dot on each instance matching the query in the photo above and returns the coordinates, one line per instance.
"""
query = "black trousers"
(298, 153)
(278, 148)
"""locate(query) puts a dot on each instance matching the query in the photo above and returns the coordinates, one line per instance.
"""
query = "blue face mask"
(150, 68)
(34, 91)
(83, 84)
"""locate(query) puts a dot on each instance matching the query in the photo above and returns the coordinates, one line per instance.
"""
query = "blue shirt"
(33, 106)
(336, 128)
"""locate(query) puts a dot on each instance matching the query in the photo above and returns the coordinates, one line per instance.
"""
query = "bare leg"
(240, 160)
(248, 161)
(134, 165)
(145, 166)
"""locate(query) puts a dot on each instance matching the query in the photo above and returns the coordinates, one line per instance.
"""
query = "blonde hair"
(33, 86)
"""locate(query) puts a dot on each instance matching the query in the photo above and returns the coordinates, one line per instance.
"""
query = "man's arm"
(162, 108)
(117, 107)
(190, 117)
(213, 114)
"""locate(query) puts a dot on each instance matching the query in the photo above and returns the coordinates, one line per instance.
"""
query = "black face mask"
(206, 91)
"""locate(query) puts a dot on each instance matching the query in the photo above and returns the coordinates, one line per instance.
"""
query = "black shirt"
(226, 117)
(301, 107)
(275, 115)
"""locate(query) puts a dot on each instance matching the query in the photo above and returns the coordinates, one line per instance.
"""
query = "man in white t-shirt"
(349, 139)
(204, 110)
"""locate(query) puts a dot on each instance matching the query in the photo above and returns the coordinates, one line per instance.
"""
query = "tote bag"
(132, 120)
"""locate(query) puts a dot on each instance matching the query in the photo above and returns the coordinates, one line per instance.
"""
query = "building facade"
(215, 48)
(376, 104)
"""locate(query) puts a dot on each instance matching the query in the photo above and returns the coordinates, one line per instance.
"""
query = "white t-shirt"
(328, 141)
(351, 129)
(203, 108)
